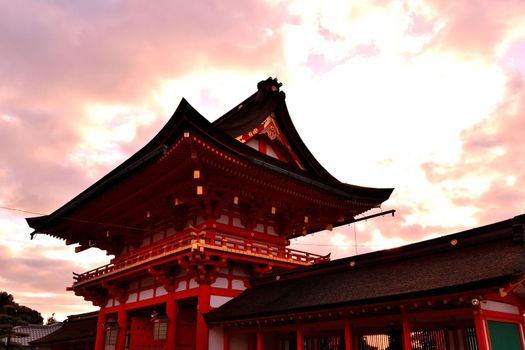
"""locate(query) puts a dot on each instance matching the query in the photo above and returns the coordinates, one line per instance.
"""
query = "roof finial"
(265, 87)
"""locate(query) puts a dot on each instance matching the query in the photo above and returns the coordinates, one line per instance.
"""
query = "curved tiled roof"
(484, 257)
(77, 328)
(34, 332)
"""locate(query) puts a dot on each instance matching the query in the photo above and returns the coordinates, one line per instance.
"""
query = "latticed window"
(160, 329)
(111, 334)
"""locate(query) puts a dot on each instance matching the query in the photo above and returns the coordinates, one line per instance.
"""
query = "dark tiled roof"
(77, 328)
(34, 332)
(219, 132)
(482, 257)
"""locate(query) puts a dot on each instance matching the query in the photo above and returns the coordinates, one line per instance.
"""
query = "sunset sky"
(424, 96)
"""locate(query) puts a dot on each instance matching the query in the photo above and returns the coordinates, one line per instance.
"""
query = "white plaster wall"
(132, 298)
(193, 284)
(146, 294)
(220, 282)
(238, 284)
(271, 152)
(161, 291)
(215, 338)
(224, 219)
(183, 285)
(499, 307)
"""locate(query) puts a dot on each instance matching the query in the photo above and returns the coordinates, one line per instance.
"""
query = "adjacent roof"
(34, 332)
(463, 261)
(222, 132)
(76, 329)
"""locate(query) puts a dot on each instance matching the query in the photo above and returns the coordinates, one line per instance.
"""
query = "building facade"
(199, 222)
(194, 215)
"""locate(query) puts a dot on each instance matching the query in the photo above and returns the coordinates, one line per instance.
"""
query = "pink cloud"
(40, 282)
(59, 57)
(493, 149)
(473, 29)
(67, 55)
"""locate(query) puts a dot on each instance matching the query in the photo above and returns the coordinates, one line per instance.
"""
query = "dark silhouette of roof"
(268, 98)
(483, 257)
(76, 329)
(34, 332)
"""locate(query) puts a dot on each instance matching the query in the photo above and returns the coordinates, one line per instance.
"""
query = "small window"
(160, 329)
(111, 334)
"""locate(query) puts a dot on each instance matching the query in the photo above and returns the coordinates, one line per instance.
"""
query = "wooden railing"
(203, 240)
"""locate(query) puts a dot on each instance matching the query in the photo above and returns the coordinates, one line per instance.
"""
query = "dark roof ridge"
(460, 240)
(184, 113)
(268, 97)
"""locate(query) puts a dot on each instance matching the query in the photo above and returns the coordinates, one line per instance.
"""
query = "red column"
(300, 336)
(203, 307)
(226, 339)
(348, 334)
(100, 340)
(260, 339)
(481, 332)
(171, 312)
(122, 328)
(407, 342)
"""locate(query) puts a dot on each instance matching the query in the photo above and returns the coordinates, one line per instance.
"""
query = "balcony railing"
(201, 241)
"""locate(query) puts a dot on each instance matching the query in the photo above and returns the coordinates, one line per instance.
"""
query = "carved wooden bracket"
(117, 291)
(96, 295)
(166, 276)
(203, 267)
(261, 270)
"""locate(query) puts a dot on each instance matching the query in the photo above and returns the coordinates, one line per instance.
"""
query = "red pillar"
(260, 339)
(407, 342)
(203, 307)
(226, 339)
(300, 336)
(171, 312)
(122, 328)
(100, 340)
(481, 332)
(348, 334)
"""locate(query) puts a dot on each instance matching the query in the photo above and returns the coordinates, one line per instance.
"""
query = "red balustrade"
(211, 240)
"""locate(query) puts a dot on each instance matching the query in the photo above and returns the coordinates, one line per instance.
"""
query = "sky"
(424, 96)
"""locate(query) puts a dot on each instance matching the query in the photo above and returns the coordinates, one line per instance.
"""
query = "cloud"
(84, 80)
(378, 90)
(491, 167)
(67, 57)
(475, 29)
(39, 281)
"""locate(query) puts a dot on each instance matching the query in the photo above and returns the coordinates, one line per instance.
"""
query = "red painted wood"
(501, 316)
(481, 331)
(262, 144)
(101, 330)
(407, 341)
(141, 337)
(300, 336)
(123, 319)
(203, 307)
(260, 339)
(348, 334)
(171, 312)
(226, 339)
(186, 324)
